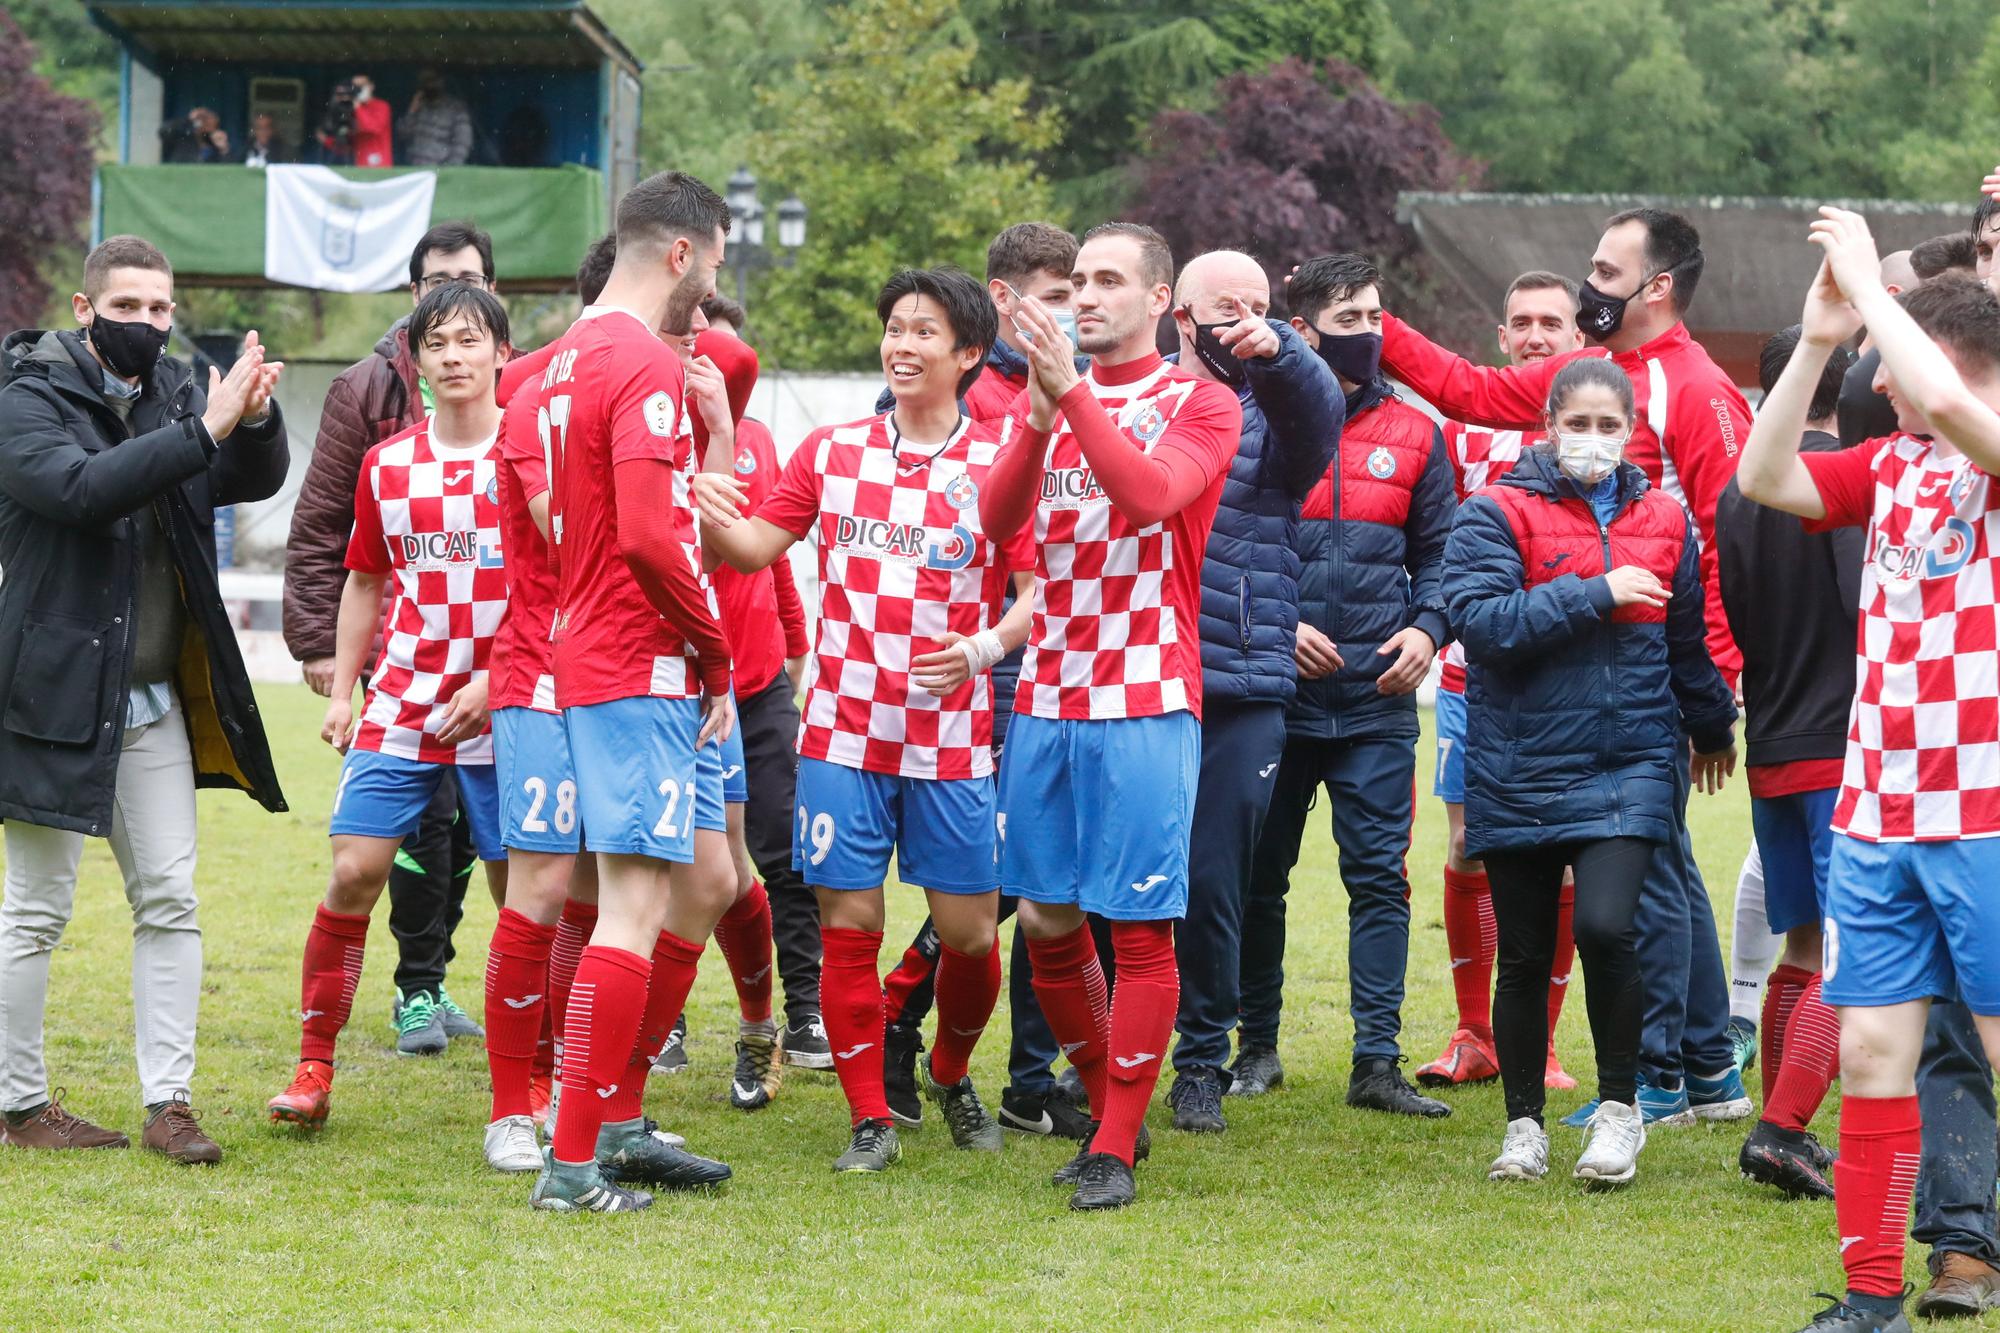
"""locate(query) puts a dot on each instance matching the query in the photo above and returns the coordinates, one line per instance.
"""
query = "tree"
(1817, 98)
(46, 160)
(1291, 166)
(1110, 68)
(705, 62)
(904, 159)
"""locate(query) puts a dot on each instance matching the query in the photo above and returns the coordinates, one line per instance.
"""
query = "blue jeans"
(1680, 962)
(1955, 1203)
(1241, 744)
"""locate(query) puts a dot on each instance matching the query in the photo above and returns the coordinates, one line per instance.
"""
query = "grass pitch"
(1304, 1214)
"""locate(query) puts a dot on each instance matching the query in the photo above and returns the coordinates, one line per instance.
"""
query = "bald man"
(1292, 413)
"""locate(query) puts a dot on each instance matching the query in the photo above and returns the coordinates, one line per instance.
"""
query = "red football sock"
(1069, 984)
(1565, 959)
(1812, 1061)
(1881, 1139)
(850, 997)
(517, 982)
(573, 930)
(674, 961)
(544, 1063)
(332, 970)
(604, 1008)
(967, 989)
(1471, 938)
(1142, 1023)
(1781, 996)
(744, 936)
(916, 966)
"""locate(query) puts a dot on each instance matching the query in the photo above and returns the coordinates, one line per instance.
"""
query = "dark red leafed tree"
(1294, 163)
(47, 152)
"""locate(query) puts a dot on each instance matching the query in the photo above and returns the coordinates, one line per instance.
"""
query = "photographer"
(354, 130)
(197, 138)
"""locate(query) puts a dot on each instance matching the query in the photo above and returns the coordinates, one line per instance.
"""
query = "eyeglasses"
(430, 282)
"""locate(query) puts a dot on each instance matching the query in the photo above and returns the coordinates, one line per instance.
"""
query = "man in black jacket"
(121, 686)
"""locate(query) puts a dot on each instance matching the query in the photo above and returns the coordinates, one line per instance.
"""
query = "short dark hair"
(595, 270)
(448, 238)
(1028, 248)
(1777, 353)
(120, 252)
(668, 205)
(1540, 280)
(1941, 254)
(1672, 246)
(478, 305)
(967, 308)
(1326, 279)
(1591, 371)
(1156, 257)
(1983, 214)
(1960, 314)
(716, 306)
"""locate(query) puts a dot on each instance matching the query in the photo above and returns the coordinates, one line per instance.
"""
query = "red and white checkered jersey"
(612, 393)
(1479, 457)
(903, 559)
(430, 516)
(1923, 749)
(524, 656)
(1116, 630)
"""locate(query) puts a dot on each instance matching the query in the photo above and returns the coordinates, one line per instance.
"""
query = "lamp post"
(748, 249)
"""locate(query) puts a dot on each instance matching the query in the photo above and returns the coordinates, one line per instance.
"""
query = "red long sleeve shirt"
(1691, 425)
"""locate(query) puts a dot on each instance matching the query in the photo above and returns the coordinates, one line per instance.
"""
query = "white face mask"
(1588, 459)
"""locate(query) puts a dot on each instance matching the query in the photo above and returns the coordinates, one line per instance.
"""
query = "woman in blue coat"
(1576, 590)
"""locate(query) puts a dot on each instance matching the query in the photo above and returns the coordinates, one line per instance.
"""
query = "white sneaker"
(511, 1145)
(1524, 1153)
(1611, 1142)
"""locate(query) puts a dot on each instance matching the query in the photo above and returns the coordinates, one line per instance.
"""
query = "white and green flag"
(336, 235)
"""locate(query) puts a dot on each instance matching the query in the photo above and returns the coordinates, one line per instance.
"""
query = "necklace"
(896, 445)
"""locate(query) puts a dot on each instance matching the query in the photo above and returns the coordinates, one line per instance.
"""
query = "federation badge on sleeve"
(1150, 424)
(661, 418)
(961, 492)
(1381, 463)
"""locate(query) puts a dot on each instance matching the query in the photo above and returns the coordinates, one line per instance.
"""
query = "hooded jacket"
(72, 477)
(1576, 709)
(1292, 413)
(368, 402)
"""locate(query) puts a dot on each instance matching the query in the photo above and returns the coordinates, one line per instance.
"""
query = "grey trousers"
(153, 838)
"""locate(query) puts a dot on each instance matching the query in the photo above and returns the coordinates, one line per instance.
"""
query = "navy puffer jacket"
(1576, 710)
(1292, 412)
(1372, 535)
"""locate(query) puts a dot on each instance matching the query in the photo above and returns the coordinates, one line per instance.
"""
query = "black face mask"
(1221, 362)
(1601, 316)
(1355, 357)
(130, 347)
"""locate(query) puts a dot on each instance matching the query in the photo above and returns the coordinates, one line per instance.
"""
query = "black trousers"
(770, 722)
(1527, 891)
(427, 893)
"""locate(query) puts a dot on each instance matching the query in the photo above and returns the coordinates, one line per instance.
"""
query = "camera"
(337, 121)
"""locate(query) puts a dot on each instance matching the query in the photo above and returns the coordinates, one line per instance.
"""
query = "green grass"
(1304, 1214)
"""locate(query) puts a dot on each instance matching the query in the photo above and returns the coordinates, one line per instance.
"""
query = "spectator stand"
(554, 98)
